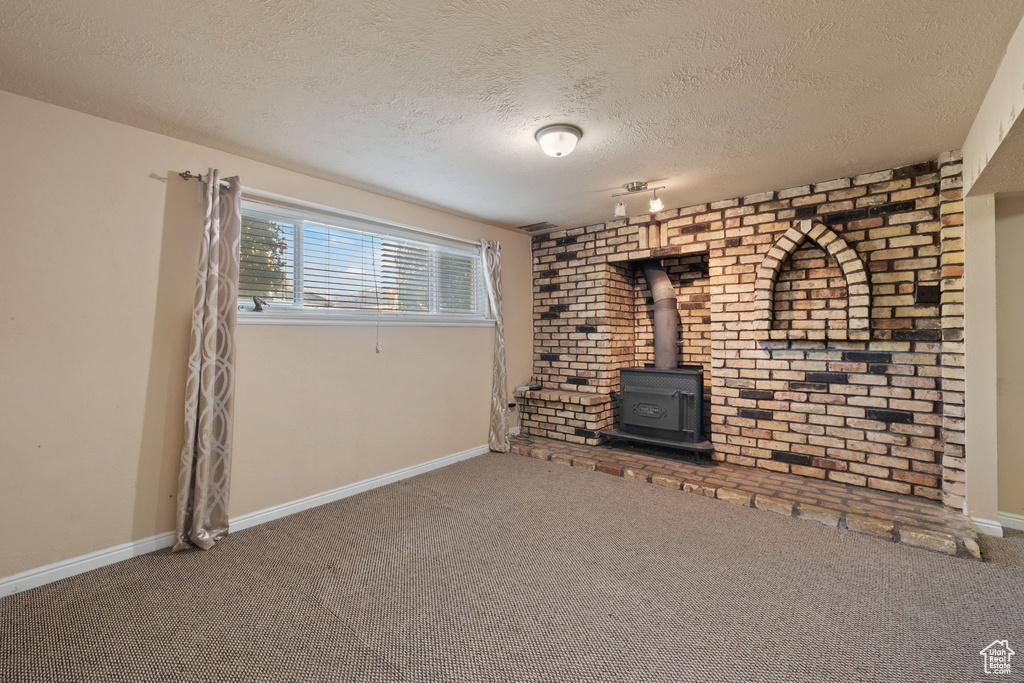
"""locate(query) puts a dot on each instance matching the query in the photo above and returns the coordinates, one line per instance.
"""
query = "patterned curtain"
(498, 438)
(205, 473)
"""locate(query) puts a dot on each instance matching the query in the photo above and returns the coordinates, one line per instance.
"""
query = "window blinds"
(306, 264)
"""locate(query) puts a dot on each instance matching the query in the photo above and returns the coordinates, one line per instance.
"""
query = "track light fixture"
(637, 187)
(656, 203)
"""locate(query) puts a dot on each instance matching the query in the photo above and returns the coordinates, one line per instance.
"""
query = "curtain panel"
(205, 470)
(498, 436)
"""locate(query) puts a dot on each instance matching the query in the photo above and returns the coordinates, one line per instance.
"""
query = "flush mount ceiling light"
(558, 140)
(638, 187)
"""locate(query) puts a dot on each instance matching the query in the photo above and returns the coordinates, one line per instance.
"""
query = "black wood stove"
(662, 405)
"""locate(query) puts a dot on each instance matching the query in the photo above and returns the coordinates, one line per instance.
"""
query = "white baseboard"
(1011, 521)
(285, 509)
(987, 526)
(33, 578)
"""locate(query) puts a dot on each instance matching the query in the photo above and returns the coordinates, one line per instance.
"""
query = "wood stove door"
(653, 408)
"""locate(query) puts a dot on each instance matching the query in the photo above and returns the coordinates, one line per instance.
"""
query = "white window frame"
(277, 313)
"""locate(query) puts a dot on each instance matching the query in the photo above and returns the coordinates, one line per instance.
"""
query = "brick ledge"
(959, 543)
(559, 396)
(659, 252)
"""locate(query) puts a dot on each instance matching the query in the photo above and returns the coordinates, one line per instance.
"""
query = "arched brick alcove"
(856, 276)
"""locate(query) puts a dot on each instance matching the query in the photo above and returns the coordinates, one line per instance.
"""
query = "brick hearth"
(889, 516)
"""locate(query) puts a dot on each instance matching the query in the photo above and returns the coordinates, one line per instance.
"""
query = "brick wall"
(795, 383)
(810, 293)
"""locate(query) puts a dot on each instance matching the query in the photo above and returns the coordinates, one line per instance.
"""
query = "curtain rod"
(189, 175)
(283, 201)
(292, 203)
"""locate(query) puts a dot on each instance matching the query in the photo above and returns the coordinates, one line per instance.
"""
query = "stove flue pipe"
(666, 315)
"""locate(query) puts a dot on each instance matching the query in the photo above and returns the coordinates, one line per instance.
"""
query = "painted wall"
(981, 361)
(994, 147)
(1010, 381)
(97, 270)
(993, 165)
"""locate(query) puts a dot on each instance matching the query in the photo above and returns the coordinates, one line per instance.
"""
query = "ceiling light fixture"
(637, 187)
(656, 203)
(558, 140)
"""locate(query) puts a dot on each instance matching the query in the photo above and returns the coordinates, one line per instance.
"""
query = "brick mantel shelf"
(858, 285)
(660, 252)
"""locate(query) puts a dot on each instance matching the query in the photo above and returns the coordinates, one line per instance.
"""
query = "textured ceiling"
(437, 101)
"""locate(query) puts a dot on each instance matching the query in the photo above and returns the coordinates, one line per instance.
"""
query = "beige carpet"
(503, 568)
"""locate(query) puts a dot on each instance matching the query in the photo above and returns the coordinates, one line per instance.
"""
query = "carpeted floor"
(503, 568)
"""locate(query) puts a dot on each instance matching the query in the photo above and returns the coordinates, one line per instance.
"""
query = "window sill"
(294, 318)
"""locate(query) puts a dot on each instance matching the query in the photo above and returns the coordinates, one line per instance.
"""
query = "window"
(309, 267)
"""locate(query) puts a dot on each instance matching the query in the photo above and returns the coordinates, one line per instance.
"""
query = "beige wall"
(980, 363)
(993, 165)
(994, 146)
(1010, 348)
(97, 270)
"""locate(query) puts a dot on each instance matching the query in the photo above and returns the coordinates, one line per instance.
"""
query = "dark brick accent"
(565, 256)
(917, 335)
(828, 377)
(895, 207)
(791, 458)
(548, 273)
(867, 356)
(757, 394)
(805, 211)
(558, 308)
(733, 242)
(578, 381)
(902, 416)
(550, 356)
(562, 241)
(751, 414)
(927, 294)
(808, 386)
(588, 329)
(549, 316)
(878, 368)
(589, 433)
(690, 229)
(549, 288)
(845, 216)
(912, 170)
